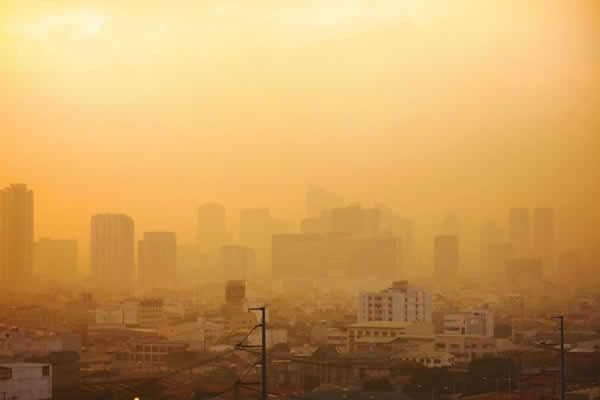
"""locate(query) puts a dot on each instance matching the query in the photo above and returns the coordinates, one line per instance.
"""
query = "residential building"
(445, 257)
(150, 313)
(428, 359)
(373, 331)
(466, 348)
(56, 261)
(399, 303)
(157, 260)
(112, 253)
(16, 237)
(26, 381)
(145, 353)
(479, 322)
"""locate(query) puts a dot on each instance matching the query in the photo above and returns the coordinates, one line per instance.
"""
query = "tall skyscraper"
(55, 262)
(157, 260)
(112, 253)
(519, 231)
(255, 233)
(355, 220)
(212, 231)
(543, 236)
(16, 236)
(445, 255)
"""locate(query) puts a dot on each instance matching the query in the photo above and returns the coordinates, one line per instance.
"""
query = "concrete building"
(373, 331)
(145, 353)
(26, 381)
(212, 231)
(16, 236)
(237, 262)
(399, 303)
(479, 322)
(445, 257)
(112, 253)
(56, 262)
(520, 231)
(150, 313)
(428, 359)
(157, 260)
(466, 348)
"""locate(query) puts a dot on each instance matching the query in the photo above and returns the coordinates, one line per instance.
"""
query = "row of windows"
(154, 348)
(140, 357)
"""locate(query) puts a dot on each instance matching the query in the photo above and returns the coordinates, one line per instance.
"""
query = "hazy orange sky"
(151, 108)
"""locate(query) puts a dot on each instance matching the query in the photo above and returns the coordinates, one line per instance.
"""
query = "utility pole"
(562, 357)
(263, 362)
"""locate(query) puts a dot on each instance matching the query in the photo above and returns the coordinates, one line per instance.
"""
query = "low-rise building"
(144, 353)
(466, 348)
(365, 332)
(476, 322)
(429, 359)
(26, 381)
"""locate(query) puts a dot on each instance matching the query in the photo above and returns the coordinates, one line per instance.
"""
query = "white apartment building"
(399, 303)
(26, 381)
(478, 322)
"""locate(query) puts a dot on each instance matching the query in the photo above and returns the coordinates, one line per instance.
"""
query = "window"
(46, 370)
(5, 373)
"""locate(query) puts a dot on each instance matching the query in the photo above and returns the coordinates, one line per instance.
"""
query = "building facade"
(112, 253)
(478, 322)
(399, 303)
(16, 236)
(157, 260)
(26, 381)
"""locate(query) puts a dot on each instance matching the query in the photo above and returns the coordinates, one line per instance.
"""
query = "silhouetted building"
(256, 232)
(238, 262)
(157, 260)
(445, 257)
(313, 256)
(499, 255)
(235, 297)
(403, 229)
(112, 252)
(16, 236)
(543, 236)
(450, 224)
(400, 302)
(490, 233)
(355, 220)
(519, 231)
(319, 200)
(56, 262)
(212, 231)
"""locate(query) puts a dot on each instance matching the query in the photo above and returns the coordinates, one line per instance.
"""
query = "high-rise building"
(490, 233)
(16, 236)
(319, 200)
(313, 256)
(519, 231)
(212, 231)
(499, 255)
(255, 233)
(157, 260)
(56, 262)
(355, 220)
(403, 229)
(238, 262)
(235, 297)
(543, 236)
(401, 302)
(112, 253)
(445, 257)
